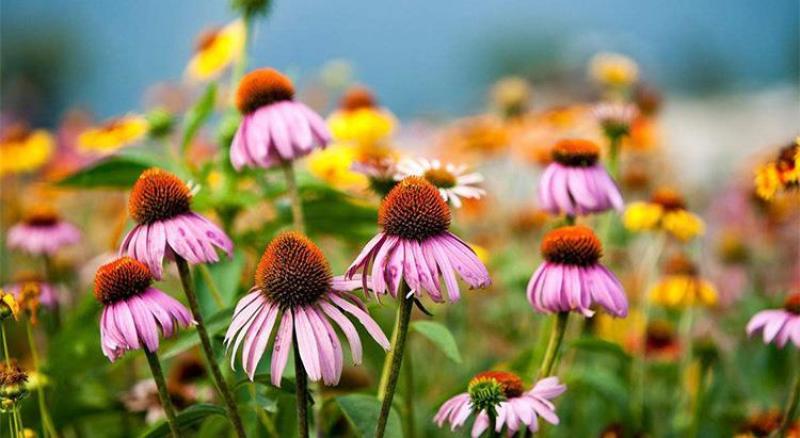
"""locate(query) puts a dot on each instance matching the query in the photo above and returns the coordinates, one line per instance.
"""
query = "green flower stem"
(408, 395)
(613, 155)
(791, 407)
(205, 342)
(394, 359)
(212, 286)
(301, 391)
(48, 427)
(556, 338)
(294, 196)
(163, 394)
(5, 344)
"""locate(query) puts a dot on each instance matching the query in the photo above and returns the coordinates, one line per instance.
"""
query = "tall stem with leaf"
(394, 359)
(205, 342)
(163, 394)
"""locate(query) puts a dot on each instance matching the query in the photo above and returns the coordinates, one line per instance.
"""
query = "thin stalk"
(394, 359)
(301, 391)
(294, 196)
(613, 156)
(205, 342)
(48, 427)
(694, 428)
(5, 344)
(685, 336)
(556, 338)
(212, 286)
(241, 63)
(408, 395)
(791, 407)
(163, 394)
(12, 426)
(493, 426)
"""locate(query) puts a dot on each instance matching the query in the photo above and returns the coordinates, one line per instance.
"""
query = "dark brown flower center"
(206, 39)
(660, 335)
(440, 177)
(576, 153)
(16, 133)
(414, 209)
(679, 264)
(572, 245)
(510, 383)
(262, 87)
(120, 280)
(792, 303)
(293, 272)
(668, 199)
(158, 195)
(41, 217)
(357, 97)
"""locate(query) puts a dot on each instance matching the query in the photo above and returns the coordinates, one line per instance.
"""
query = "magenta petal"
(280, 351)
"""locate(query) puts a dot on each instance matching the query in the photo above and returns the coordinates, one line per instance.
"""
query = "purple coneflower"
(571, 278)
(160, 203)
(42, 233)
(275, 129)
(294, 286)
(779, 325)
(499, 399)
(134, 312)
(415, 246)
(575, 184)
(452, 181)
(615, 117)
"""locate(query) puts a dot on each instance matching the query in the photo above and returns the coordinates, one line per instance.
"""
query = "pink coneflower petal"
(348, 329)
(327, 352)
(280, 353)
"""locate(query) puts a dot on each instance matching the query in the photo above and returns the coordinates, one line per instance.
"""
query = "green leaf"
(192, 415)
(287, 385)
(440, 336)
(188, 338)
(597, 345)
(114, 172)
(198, 114)
(362, 411)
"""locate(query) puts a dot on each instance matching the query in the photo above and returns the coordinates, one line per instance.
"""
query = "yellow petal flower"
(641, 216)
(683, 224)
(114, 134)
(361, 126)
(23, 151)
(332, 165)
(613, 69)
(767, 181)
(682, 291)
(216, 50)
(8, 306)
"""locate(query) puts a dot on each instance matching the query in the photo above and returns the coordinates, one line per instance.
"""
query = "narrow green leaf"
(362, 411)
(192, 415)
(198, 114)
(114, 172)
(440, 336)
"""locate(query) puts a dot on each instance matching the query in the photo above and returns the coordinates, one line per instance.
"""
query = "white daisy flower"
(452, 180)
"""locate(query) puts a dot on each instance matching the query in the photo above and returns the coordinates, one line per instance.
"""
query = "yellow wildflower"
(114, 134)
(613, 70)
(782, 173)
(333, 165)
(481, 252)
(217, 49)
(511, 95)
(666, 211)
(359, 120)
(682, 286)
(22, 150)
(8, 306)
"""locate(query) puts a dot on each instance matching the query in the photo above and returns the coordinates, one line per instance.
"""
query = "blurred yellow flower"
(22, 150)
(627, 332)
(114, 134)
(511, 95)
(8, 306)
(359, 120)
(682, 286)
(333, 165)
(613, 70)
(666, 211)
(216, 49)
(481, 252)
(783, 172)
